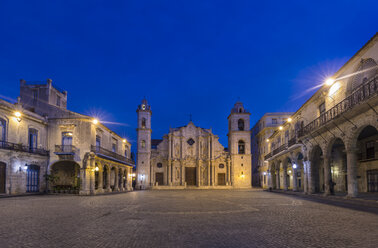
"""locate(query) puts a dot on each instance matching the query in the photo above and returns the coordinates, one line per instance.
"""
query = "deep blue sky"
(186, 57)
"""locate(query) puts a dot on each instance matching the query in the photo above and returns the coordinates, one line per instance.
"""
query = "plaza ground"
(183, 218)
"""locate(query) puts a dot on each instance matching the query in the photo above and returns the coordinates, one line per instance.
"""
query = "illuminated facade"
(330, 143)
(51, 148)
(262, 130)
(191, 156)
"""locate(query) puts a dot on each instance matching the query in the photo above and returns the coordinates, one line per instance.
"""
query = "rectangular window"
(98, 141)
(3, 130)
(370, 151)
(33, 137)
(58, 101)
(67, 139)
(274, 121)
(322, 108)
(114, 145)
(126, 151)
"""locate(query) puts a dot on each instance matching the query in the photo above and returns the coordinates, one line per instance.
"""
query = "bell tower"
(144, 145)
(239, 143)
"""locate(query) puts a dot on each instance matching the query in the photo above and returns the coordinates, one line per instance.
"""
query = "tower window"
(241, 147)
(143, 122)
(143, 143)
(241, 124)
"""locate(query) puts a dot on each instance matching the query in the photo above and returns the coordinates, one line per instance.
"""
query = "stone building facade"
(261, 131)
(192, 156)
(44, 146)
(330, 144)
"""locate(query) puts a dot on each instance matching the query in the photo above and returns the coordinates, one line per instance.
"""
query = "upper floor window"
(241, 124)
(241, 147)
(126, 151)
(274, 121)
(3, 129)
(58, 101)
(115, 145)
(67, 138)
(143, 143)
(33, 138)
(98, 141)
(322, 108)
(143, 122)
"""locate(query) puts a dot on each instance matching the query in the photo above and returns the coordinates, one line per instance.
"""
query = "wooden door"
(221, 179)
(160, 178)
(372, 180)
(190, 176)
(2, 177)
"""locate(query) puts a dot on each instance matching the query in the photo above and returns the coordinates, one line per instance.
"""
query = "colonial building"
(262, 130)
(44, 146)
(330, 144)
(191, 156)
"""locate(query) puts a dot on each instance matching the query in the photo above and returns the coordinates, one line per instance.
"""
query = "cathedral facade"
(191, 156)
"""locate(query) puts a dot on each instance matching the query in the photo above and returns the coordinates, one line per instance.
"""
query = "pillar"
(305, 181)
(285, 178)
(91, 174)
(295, 183)
(100, 180)
(198, 173)
(327, 174)
(115, 179)
(208, 173)
(108, 189)
(352, 172)
(278, 178)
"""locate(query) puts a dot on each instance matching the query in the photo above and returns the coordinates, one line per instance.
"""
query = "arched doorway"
(338, 164)
(65, 177)
(367, 159)
(3, 170)
(317, 170)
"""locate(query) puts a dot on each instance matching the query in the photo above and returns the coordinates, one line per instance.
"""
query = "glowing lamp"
(267, 140)
(280, 128)
(329, 81)
(95, 121)
(289, 171)
(264, 173)
(17, 116)
(289, 119)
(124, 140)
(294, 166)
(97, 169)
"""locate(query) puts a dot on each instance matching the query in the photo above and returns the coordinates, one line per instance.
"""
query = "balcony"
(361, 94)
(292, 142)
(279, 149)
(23, 148)
(104, 153)
(65, 149)
(268, 156)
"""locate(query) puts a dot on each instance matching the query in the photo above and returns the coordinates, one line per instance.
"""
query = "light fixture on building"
(69, 134)
(289, 119)
(289, 171)
(26, 167)
(264, 173)
(18, 116)
(294, 166)
(280, 127)
(95, 121)
(97, 169)
(267, 140)
(124, 140)
(329, 81)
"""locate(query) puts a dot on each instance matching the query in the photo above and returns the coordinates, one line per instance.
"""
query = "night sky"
(185, 57)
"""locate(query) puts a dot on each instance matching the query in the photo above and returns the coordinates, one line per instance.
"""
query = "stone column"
(208, 173)
(108, 189)
(228, 172)
(181, 175)
(295, 184)
(91, 173)
(278, 178)
(285, 186)
(116, 179)
(199, 173)
(327, 174)
(169, 173)
(305, 181)
(100, 180)
(352, 172)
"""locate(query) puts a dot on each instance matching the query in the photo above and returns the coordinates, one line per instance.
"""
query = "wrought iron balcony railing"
(280, 149)
(268, 156)
(292, 142)
(65, 149)
(22, 148)
(109, 154)
(358, 96)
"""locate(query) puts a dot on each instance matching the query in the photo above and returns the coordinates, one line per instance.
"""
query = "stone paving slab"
(183, 218)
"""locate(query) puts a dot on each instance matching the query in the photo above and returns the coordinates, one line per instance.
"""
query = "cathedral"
(192, 157)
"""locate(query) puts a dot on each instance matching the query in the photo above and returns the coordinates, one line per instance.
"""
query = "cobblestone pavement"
(186, 218)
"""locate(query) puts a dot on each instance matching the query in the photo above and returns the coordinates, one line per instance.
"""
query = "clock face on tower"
(143, 107)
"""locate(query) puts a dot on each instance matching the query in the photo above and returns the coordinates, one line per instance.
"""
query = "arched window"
(143, 122)
(143, 143)
(241, 124)
(241, 147)
(3, 129)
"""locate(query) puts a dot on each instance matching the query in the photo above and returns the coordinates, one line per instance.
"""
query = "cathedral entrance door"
(190, 176)
(221, 179)
(160, 178)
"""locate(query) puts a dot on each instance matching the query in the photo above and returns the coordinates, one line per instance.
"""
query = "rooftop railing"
(358, 96)
(22, 148)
